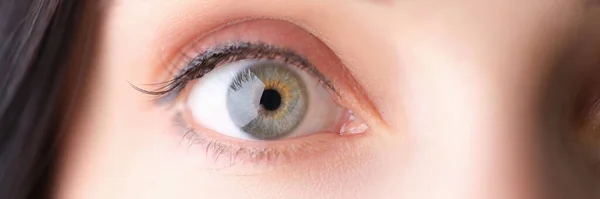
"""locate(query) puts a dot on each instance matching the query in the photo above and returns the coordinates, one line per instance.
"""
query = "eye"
(262, 99)
(261, 91)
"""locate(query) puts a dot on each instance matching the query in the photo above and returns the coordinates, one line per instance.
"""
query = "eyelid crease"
(213, 57)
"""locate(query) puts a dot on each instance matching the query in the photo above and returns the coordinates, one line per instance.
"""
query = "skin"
(453, 93)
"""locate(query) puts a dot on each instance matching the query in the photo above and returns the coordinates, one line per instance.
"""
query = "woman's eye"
(262, 99)
(260, 91)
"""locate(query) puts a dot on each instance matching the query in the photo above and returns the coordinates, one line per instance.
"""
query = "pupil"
(270, 99)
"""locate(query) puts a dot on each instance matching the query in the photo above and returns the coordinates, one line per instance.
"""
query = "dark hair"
(35, 41)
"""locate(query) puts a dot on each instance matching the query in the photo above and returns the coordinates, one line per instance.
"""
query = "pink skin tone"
(446, 89)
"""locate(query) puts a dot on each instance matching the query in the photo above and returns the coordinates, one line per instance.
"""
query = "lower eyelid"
(219, 152)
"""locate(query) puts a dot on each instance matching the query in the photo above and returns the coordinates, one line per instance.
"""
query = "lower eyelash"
(218, 151)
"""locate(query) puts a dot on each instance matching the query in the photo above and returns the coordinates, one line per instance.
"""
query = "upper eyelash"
(205, 62)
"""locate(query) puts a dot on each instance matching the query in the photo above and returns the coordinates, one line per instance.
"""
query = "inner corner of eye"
(262, 100)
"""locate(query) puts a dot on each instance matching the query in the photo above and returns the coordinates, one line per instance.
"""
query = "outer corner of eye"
(263, 100)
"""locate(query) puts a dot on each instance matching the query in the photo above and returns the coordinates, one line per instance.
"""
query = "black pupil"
(270, 99)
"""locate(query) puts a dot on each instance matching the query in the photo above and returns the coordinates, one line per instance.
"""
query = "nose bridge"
(471, 126)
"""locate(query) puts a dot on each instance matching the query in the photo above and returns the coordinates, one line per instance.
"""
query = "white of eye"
(207, 103)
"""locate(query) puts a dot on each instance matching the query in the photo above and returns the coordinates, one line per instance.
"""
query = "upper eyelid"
(300, 36)
(205, 62)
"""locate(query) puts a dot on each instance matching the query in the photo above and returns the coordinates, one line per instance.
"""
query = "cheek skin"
(346, 176)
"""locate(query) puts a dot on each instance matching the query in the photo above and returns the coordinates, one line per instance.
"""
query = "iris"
(267, 100)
